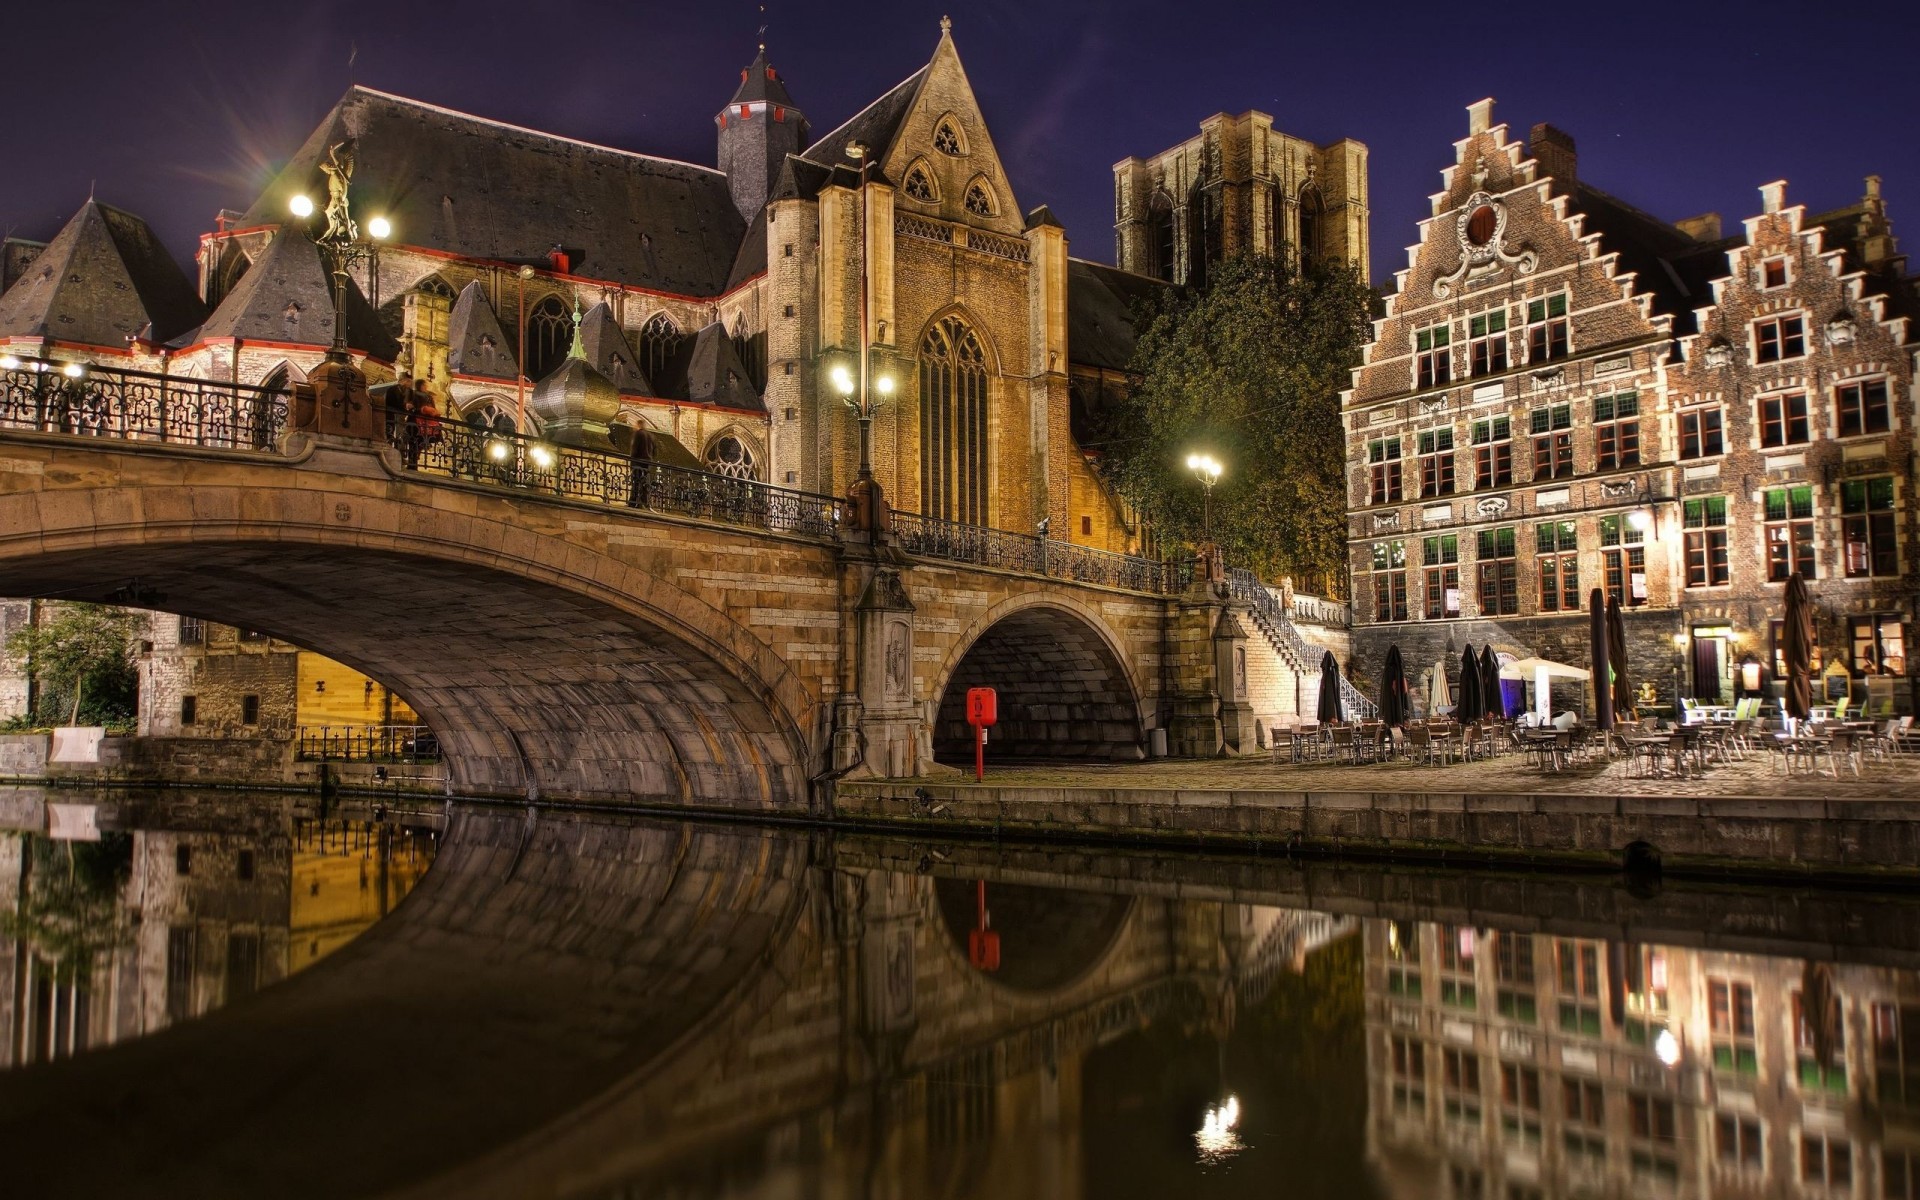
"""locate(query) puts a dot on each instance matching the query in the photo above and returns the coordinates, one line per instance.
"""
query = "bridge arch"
(546, 666)
(1065, 689)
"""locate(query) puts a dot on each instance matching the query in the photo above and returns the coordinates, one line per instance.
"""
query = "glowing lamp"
(497, 451)
(842, 380)
(542, 457)
(73, 370)
(301, 204)
(9, 363)
(1666, 1047)
(884, 385)
(1640, 519)
(380, 228)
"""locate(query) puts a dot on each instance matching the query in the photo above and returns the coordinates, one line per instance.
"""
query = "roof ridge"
(832, 135)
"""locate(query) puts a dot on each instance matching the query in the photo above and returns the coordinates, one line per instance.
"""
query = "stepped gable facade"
(1568, 393)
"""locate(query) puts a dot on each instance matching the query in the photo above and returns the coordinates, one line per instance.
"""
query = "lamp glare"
(380, 228)
(301, 204)
(884, 384)
(843, 380)
(73, 370)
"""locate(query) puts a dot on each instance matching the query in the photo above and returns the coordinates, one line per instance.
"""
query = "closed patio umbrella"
(1469, 708)
(1329, 710)
(1439, 695)
(1623, 705)
(1797, 647)
(1492, 703)
(1602, 650)
(1396, 702)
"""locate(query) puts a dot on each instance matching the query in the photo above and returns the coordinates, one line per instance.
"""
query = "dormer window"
(946, 139)
(919, 185)
(1773, 273)
(979, 199)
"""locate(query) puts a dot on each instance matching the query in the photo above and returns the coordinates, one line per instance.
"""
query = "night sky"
(175, 111)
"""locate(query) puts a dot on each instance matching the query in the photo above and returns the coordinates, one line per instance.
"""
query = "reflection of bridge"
(573, 628)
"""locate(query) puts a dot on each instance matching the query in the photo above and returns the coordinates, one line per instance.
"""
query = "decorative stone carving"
(1842, 330)
(1491, 506)
(1484, 252)
(1619, 489)
(1551, 377)
(1435, 406)
(1386, 520)
(1718, 353)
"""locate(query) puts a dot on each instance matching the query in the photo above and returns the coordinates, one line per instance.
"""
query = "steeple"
(757, 129)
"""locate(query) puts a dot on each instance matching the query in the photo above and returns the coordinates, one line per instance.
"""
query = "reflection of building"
(1521, 1065)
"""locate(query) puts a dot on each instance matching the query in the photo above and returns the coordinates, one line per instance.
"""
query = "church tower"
(758, 128)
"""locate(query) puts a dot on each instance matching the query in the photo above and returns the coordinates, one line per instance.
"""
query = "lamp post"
(1207, 470)
(340, 242)
(520, 363)
(865, 393)
(1679, 660)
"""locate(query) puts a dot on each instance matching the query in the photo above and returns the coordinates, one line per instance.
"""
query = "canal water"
(224, 995)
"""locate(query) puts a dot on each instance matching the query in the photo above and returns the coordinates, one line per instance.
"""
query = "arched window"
(1311, 211)
(946, 138)
(433, 285)
(496, 415)
(953, 424)
(1160, 231)
(730, 456)
(752, 350)
(980, 198)
(659, 342)
(919, 184)
(549, 334)
(233, 265)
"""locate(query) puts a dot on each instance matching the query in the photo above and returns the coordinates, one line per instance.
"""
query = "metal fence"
(85, 400)
(367, 743)
(510, 460)
(977, 545)
(1279, 627)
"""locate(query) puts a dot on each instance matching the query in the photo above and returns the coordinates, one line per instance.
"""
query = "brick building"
(1568, 393)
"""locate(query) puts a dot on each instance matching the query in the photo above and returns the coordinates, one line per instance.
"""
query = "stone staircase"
(1283, 667)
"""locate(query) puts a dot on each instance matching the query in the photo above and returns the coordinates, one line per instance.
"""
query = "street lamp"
(1679, 660)
(520, 364)
(1207, 470)
(864, 405)
(340, 241)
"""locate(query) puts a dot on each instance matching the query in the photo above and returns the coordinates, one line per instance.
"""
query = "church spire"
(757, 129)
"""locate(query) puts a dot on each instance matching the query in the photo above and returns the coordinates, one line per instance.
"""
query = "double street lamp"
(864, 404)
(1206, 468)
(340, 241)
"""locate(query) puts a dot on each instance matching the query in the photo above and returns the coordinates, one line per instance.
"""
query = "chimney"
(1773, 196)
(1703, 228)
(1555, 156)
(1480, 116)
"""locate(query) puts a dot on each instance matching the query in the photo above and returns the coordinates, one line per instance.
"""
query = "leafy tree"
(84, 654)
(70, 909)
(1249, 369)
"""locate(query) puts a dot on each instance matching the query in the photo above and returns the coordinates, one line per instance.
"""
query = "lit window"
(1706, 525)
(1779, 338)
(1558, 563)
(1867, 527)
(1499, 573)
(1783, 420)
(1433, 360)
(1616, 431)
(1789, 532)
(1389, 581)
(1547, 328)
(1623, 556)
(1552, 430)
(1493, 453)
(1440, 556)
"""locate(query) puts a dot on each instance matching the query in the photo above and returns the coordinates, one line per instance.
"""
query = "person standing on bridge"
(640, 463)
(423, 423)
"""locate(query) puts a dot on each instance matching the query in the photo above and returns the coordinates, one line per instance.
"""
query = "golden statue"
(338, 169)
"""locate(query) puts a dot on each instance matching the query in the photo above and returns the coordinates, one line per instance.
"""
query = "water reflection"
(140, 917)
(594, 1007)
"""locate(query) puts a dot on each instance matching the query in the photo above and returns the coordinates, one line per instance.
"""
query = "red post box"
(983, 709)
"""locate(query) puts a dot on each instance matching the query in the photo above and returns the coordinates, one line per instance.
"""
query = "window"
(1086, 526)
(1700, 433)
(183, 859)
(730, 456)
(1384, 454)
(1547, 328)
(1773, 273)
(249, 710)
(1583, 1110)
(1487, 341)
(1776, 637)
(1493, 453)
(1879, 644)
(1579, 987)
(1863, 408)
(1867, 527)
(1896, 1057)
(1730, 1026)
(1779, 338)
(1460, 1075)
(1737, 1141)
(1654, 1135)
(1623, 557)
(251, 635)
(1520, 1103)
(1706, 525)
(193, 631)
(1436, 462)
(1160, 222)
(1645, 978)
(181, 944)
(1513, 970)
(189, 709)
(919, 185)
(946, 139)
(1403, 959)
(1783, 420)
(1814, 1074)
(979, 199)
(1900, 1175)
(1441, 557)
(1552, 430)
(549, 334)
(1457, 989)
(1616, 431)
(1789, 532)
(243, 866)
(1558, 564)
(1499, 575)
(953, 424)
(1389, 581)
(1409, 1075)
(1433, 359)
(1826, 1160)
(659, 342)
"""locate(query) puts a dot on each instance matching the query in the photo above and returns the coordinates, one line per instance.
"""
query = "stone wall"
(158, 759)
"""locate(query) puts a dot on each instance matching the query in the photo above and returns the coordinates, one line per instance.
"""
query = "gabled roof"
(760, 82)
(609, 352)
(1101, 302)
(286, 296)
(482, 189)
(715, 374)
(799, 179)
(876, 125)
(102, 279)
(1673, 268)
(752, 258)
(476, 343)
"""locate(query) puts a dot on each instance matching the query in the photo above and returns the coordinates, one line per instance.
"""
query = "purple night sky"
(175, 111)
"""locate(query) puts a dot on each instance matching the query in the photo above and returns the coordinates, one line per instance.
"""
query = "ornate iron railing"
(1303, 655)
(480, 455)
(84, 400)
(977, 545)
(367, 743)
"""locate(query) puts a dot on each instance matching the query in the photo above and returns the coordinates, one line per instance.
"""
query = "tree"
(86, 652)
(1251, 370)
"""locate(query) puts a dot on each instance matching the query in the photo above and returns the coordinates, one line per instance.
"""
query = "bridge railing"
(86, 400)
(977, 545)
(367, 743)
(510, 460)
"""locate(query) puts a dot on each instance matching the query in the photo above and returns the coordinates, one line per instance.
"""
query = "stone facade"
(1565, 393)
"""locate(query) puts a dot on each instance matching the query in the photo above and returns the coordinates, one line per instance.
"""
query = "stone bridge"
(708, 642)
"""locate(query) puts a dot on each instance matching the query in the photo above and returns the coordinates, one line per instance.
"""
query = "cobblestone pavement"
(1895, 777)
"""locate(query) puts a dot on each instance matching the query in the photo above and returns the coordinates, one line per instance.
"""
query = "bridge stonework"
(565, 648)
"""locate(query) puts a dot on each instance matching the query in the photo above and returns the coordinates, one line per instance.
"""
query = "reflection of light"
(1667, 1047)
(9, 363)
(1217, 1138)
(843, 380)
(1640, 519)
(884, 385)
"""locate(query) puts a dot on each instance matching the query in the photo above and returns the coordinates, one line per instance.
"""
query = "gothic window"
(1160, 231)
(752, 349)
(953, 424)
(919, 185)
(659, 342)
(493, 415)
(549, 334)
(946, 139)
(1311, 211)
(433, 285)
(979, 198)
(730, 456)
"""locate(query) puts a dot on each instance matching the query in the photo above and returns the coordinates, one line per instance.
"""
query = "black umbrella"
(1492, 703)
(1329, 689)
(1617, 659)
(1468, 706)
(1796, 638)
(1396, 702)
(1602, 656)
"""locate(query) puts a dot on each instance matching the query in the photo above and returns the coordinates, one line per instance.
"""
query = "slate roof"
(799, 179)
(760, 82)
(476, 342)
(876, 125)
(752, 258)
(102, 279)
(286, 296)
(1100, 312)
(715, 374)
(610, 353)
(482, 189)
(1670, 265)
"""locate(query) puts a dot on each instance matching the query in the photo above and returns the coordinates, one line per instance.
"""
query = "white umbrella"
(1439, 695)
(1541, 670)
